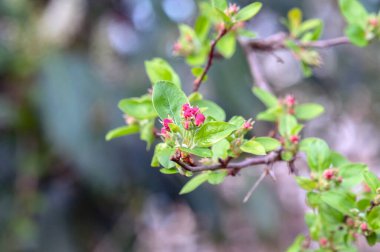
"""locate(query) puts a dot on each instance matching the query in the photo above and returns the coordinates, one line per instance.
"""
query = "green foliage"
(253, 147)
(122, 131)
(158, 69)
(318, 154)
(248, 11)
(193, 183)
(212, 132)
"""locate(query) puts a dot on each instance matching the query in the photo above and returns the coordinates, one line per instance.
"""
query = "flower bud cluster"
(192, 116)
(232, 10)
(290, 102)
(165, 127)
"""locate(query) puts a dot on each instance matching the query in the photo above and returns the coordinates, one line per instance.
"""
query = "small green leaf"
(270, 115)
(308, 111)
(253, 147)
(168, 100)
(202, 27)
(220, 150)
(227, 45)
(339, 200)
(352, 174)
(295, 19)
(193, 183)
(212, 132)
(164, 154)
(371, 180)
(211, 109)
(147, 132)
(286, 125)
(238, 121)
(306, 183)
(268, 143)
(373, 218)
(318, 153)
(195, 96)
(353, 11)
(371, 238)
(248, 11)
(169, 171)
(139, 108)
(309, 25)
(217, 177)
(338, 160)
(220, 4)
(357, 35)
(265, 97)
(159, 70)
(198, 151)
(122, 131)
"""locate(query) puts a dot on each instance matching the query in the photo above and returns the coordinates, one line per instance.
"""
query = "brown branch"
(267, 159)
(211, 55)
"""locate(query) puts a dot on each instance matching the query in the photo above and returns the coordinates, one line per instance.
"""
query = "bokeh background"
(64, 65)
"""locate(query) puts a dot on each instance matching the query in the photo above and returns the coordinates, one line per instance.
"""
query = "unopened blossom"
(199, 119)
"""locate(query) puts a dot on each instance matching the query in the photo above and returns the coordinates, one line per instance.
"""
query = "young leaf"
(201, 152)
(306, 183)
(122, 131)
(286, 125)
(220, 4)
(169, 171)
(158, 70)
(318, 153)
(353, 11)
(238, 121)
(202, 27)
(265, 97)
(168, 100)
(374, 218)
(220, 150)
(308, 111)
(268, 143)
(339, 200)
(227, 45)
(352, 174)
(212, 109)
(371, 180)
(212, 132)
(338, 160)
(248, 11)
(357, 35)
(253, 147)
(146, 132)
(193, 183)
(139, 108)
(217, 177)
(163, 156)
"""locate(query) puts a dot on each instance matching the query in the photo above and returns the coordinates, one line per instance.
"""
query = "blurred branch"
(267, 159)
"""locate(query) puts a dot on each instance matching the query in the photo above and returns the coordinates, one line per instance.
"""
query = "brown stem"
(211, 55)
(267, 159)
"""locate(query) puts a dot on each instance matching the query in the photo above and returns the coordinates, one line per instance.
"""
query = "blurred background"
(64, 65)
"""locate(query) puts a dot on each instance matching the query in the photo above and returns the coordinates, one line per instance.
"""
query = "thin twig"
(211, 55)
(257, 183)
(257, 72)
(267, 159)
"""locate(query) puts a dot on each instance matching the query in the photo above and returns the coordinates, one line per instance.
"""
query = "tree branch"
(267, 159)
(211, 55)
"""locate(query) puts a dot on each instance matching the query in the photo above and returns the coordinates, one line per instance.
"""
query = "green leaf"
(238, 121)
(268, 143)
(371, 238)
(227, 45)
(353, 11)
(139, 108)
(193, 183)
(373, 218)
(212, 132)
(147, 132)
(308, 111)
(248, 11)
(295, 19)
(306, 183)
(159, 70)
(339, 200)
(338, 160)
(202, 27)
(220, 4)
(157, 149)
(164, 154)
(357, 35)
(270, 115)
(122, 131)
(195, 96)
(168, 100)
(197, 72)
(220, 149)
(212, 109)
(253, 147)
(217, 177)
(318, 153)
(287, 123)
(309, 25)
(371, 180)
(201, 152)
(297, 244)
(169, 171)
(352, 174)
(265, 97)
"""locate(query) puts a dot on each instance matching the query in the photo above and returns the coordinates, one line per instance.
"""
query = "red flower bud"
(177, 48)
(247, 125)
(294, 139)
(328, 174)
(373, 22)
(323, 242)
(166, 123)
(290, 100)
(199, 119)
(232, 9)
(364, 227)
(186, 125)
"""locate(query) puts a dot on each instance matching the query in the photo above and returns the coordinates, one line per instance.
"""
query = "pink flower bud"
(247, 125)
(164, 132)
(232, 9)
(186, 125)
(187, 111)
(177, 47)
(166, 123)
(364, 227)
(199, 119)
(373, 21)
(294, 139)
(323, 242)
(328, 174)
(290, 100)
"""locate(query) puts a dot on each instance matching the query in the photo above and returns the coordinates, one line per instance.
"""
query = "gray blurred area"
(64, 65)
